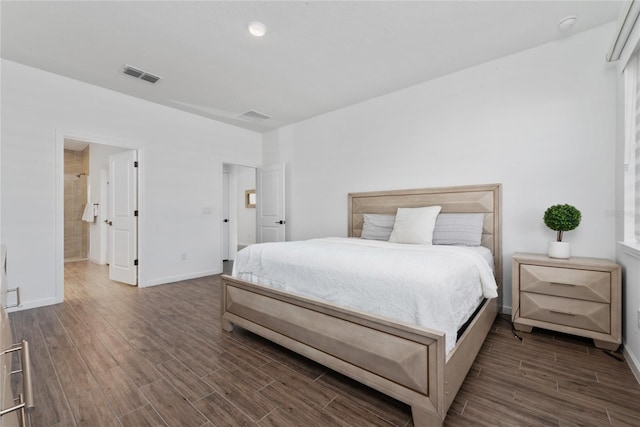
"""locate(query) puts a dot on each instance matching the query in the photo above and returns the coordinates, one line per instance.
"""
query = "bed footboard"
(402, 361)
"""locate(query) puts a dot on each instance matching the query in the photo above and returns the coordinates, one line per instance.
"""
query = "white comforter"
(437, 287)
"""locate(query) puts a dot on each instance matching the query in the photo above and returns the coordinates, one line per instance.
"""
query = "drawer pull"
(561, 312)
(18, 299)
(562, 284)
(25, 400)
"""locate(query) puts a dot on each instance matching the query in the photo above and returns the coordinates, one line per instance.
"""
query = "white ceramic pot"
(559, 250)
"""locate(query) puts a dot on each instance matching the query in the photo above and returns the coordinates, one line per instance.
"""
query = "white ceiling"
(316, 57)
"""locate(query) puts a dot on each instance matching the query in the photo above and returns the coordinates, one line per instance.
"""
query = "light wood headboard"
(463, 199)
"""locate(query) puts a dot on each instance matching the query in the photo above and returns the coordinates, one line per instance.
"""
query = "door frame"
(226, 214)
(232, 198)
(92, 138)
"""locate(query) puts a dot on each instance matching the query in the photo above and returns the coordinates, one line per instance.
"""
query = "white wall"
(181, 168)
(542, 122)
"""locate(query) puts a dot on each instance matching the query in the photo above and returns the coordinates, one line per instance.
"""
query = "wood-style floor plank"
(215, 407)
(289, 405)
(370, 400)
(139, 370)
(184, 380)
(91, 409)
(122, 394)
(145, 416)
(52, 406)
(69, 422)
(289, 381)
(171, 405)
(113, 354)
(241, 395)
(73, 372)
(347, 414)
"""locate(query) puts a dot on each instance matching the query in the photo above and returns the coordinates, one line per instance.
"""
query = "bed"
(407, 362)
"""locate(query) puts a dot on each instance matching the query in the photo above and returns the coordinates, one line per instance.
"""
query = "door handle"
(108, 222)
(281, 222)
(225, 220)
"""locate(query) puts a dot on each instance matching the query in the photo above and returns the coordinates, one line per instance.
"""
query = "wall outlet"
(184, 256)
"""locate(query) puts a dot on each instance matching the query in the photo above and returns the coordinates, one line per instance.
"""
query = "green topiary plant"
(562, 218)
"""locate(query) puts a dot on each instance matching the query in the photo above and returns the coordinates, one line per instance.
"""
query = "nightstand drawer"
(593, 316)
(566, 282)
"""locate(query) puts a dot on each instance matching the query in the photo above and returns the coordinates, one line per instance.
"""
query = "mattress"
(433, 286)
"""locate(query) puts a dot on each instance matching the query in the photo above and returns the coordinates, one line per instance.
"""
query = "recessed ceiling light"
(257, 29)
(566, 23)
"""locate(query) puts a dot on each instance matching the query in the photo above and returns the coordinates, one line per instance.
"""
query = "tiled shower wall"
(76, 231)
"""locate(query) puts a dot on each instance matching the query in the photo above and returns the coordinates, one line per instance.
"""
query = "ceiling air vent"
(254, 116)
(140, 74)
(132, 71)
(151, 78)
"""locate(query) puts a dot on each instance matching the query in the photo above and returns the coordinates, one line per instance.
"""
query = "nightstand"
(579, 296)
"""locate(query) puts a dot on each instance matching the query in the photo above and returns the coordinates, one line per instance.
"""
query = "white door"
(270, 204)
(123, 217)
(225, 216)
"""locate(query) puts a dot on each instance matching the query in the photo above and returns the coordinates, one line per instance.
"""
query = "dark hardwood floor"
(115, 355)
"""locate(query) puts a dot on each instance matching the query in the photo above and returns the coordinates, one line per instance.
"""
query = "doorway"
(238, 216)
(76, 196)
(88, 206)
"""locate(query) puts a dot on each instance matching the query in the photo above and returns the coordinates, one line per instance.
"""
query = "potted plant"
(561, 218)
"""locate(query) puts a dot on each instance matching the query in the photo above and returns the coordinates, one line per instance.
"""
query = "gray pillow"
(458, 229)
(377, 227)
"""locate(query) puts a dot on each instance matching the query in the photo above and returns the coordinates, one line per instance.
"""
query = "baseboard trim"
(97, 261)
(35, 304)
(633, 362)
(172, 279)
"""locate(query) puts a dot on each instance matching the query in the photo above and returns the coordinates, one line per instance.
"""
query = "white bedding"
(437, 287)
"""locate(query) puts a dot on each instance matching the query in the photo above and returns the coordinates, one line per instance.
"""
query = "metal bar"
(26, 399)
(23, 415)
(15, 347)
(18, 407)
(13, 408)
(26, 376)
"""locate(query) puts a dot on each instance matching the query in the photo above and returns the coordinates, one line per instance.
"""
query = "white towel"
(87, 215)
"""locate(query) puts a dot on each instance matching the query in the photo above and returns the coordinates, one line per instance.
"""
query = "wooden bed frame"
(404, 361)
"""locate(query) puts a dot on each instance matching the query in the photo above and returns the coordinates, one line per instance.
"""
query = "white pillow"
(414, 225)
